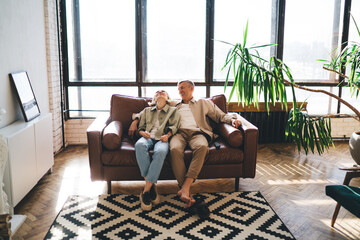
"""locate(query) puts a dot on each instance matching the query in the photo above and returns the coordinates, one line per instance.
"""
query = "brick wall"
(344, 127)
(53, 71)
(75, 131)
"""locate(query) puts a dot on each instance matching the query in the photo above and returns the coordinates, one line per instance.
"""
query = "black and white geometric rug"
(237, 215)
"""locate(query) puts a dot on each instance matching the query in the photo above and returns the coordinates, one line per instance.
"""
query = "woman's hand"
(133, 128)
(145, 134)
(165, 138)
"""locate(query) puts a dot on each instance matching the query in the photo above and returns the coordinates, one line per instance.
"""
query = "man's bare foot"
(186, 197)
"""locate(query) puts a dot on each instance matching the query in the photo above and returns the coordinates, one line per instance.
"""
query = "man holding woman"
(195, 132)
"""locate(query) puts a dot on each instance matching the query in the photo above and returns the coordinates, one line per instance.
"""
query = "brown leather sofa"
(112, 152)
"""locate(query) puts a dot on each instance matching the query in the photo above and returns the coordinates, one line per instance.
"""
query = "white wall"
(22, 47)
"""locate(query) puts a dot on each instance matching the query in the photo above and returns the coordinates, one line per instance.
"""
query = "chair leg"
(336, 212)
(109, 187)
(237, 184)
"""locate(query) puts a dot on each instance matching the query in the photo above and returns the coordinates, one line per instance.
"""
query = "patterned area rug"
(238, 215)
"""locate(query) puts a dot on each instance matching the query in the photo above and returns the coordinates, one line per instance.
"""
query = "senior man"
(194, 131)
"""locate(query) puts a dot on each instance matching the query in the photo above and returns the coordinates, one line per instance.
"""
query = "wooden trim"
(235, 107)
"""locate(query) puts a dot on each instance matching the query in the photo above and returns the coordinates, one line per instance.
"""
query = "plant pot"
(354, 145)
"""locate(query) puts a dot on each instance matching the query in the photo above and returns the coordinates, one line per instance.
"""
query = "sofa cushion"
(122, 107)
(125, 156)
(112, 135)
(225, 155)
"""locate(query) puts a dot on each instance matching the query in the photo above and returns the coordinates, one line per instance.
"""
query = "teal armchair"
(345, 195)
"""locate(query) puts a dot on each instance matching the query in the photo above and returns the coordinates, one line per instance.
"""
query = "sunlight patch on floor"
(287, 169)
(301, 181)
(77, 181)
(313, 202)
(344, 226)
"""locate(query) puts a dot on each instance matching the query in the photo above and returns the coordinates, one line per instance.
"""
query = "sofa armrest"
(233, 136)
(251, 133)
(94, 134)
(112, 135)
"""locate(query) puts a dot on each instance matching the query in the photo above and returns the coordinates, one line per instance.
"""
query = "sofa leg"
(109, 187)
(237, 184)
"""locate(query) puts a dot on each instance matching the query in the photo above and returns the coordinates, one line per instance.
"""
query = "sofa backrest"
(220, 101)
(122, 107)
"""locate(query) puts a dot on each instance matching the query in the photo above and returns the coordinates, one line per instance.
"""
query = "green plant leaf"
(357, 28)
(262, 46)
(245, 33)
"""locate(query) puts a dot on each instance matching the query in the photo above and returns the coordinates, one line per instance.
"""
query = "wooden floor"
(293, 184)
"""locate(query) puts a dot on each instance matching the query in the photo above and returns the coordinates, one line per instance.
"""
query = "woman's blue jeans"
(150, 169)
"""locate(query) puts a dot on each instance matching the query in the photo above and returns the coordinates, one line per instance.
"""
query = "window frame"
(277, 37)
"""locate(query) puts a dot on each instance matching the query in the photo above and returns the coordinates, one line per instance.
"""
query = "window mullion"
(141, 43)
(209, 45)
(77, 49)
(65, 56)
(277, 28)
(344, 40)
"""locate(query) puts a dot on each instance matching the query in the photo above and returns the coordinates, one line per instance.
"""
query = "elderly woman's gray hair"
(153, 102)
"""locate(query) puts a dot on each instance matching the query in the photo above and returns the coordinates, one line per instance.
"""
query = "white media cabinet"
(30, 155)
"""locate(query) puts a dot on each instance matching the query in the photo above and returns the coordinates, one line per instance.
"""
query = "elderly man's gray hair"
(187, 81)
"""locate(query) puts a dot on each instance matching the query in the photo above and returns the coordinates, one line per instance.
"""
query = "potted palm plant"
(254, 77)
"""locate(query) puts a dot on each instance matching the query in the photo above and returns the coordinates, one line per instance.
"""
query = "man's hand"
(164, 138)
(236, 123)
(133, 128)
(145, 134)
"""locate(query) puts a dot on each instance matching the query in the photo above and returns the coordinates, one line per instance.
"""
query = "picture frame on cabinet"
(25, 95)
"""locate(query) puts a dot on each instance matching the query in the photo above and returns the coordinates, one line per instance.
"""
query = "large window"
(230, 20)
(355, 12)
(135, 47)
(90, 101)
(176, 40)
(312, 30)
(103, 37)
(353, 37)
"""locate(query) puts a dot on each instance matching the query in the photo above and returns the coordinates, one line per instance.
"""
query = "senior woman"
(157, 124)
